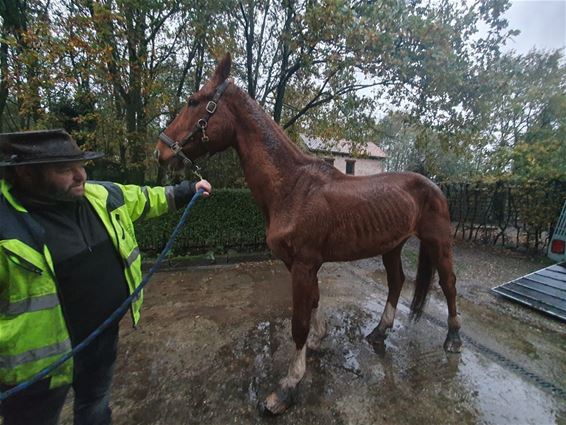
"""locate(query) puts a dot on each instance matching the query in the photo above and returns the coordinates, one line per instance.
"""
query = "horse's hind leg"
(305, 298)
(395, 280)
(447, 279)
(438, 254)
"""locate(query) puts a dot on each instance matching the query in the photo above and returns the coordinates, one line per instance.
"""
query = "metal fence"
(519, 216)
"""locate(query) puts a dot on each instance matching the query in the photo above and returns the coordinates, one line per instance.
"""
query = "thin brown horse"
(315, 213)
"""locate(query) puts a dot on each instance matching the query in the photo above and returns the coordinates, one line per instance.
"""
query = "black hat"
(41, 147)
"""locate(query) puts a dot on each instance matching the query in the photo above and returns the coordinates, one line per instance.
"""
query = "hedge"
(229, 219)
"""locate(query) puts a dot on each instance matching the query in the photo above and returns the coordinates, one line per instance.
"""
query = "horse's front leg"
(317, 330)
(305, 298)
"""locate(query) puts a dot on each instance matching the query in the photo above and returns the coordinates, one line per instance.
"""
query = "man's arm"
(148, 202)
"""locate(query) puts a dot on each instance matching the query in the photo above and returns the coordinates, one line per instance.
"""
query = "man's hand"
(184, 191)
(204, 185)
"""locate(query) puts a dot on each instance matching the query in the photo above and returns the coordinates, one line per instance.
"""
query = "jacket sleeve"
(183, 193)
(149, 202)
(146, 201)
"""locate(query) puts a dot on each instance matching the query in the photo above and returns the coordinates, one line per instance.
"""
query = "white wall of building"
(362, 166)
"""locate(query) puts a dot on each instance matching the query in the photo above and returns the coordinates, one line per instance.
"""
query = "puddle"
(501, 397)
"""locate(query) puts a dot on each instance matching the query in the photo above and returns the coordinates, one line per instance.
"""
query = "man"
(68, 259)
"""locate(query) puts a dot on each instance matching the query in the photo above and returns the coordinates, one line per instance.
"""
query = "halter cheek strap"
(200, 126)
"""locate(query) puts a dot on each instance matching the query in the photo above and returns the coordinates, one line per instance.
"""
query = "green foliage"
(229, 219)
(115, 73)
(520, 113)
(224, 170)
(541, 152)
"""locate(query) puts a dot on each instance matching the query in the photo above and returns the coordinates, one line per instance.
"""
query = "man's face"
(55, 182)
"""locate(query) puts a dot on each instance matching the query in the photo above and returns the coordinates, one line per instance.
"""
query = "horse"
(315, 214)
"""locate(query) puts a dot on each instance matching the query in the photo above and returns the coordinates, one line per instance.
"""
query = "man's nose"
(79, 174)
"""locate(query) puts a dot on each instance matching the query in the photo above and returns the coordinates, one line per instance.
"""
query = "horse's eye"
(192, 102)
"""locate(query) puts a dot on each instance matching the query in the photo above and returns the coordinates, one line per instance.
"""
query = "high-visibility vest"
(33, 332)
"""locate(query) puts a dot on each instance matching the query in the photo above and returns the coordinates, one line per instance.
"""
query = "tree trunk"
(285, 54)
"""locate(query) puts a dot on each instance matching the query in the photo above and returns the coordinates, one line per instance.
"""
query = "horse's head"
(204, 125)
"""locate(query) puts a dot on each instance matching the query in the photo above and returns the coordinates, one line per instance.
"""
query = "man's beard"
(59, 195)
(47, 192)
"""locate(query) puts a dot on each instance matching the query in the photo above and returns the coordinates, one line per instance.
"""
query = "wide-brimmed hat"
(41, 147)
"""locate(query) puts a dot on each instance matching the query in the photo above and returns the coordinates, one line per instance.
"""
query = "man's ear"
(24, 176)
(23, 171)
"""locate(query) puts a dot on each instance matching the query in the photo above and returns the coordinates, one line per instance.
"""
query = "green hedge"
(229, 219)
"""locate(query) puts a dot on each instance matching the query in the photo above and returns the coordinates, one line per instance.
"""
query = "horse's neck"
(269, 159)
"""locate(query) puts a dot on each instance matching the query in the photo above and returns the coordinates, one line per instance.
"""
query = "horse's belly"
(356, 251)
(352, 244)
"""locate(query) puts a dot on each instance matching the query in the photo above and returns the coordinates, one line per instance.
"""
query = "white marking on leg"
(317, 330)
(296, 369)
(453, 323)
(387, 318)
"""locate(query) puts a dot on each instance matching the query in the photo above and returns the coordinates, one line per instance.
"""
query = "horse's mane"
(274, 137)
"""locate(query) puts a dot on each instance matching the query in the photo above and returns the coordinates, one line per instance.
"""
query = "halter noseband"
(200, 126)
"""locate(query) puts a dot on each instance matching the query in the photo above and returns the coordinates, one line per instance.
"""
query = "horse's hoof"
(377, 340)
(376, 337)
(453, 344)
(277, 402)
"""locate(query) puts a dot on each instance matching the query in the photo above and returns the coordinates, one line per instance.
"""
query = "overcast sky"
(542, 24)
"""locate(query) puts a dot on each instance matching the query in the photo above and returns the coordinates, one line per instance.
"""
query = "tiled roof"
(341, 147)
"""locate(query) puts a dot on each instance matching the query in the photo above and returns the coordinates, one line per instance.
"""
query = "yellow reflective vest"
(33, 332)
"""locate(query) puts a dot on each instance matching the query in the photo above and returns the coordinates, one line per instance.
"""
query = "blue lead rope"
(120, 311)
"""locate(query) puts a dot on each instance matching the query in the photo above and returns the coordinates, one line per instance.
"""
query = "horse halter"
(200, 126)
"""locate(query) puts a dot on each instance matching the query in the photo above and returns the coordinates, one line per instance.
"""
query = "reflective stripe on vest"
(147, 203)
(133, 256)
(28, 305)
(115, 195)
(10, 362)
(170, 196)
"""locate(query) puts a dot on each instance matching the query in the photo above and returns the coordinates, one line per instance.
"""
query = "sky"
(542, 24)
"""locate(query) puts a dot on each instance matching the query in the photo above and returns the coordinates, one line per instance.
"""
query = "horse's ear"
(223, 69)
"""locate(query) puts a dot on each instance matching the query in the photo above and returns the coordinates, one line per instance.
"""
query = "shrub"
(229, 219)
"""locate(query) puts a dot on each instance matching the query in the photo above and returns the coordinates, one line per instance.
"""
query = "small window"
(350, 166)
(329, 161)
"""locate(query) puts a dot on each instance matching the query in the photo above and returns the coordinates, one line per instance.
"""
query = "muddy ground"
(214, 340)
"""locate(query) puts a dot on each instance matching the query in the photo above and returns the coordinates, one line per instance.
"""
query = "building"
(345, 157)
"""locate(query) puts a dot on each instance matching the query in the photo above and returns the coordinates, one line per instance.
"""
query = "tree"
(519, 92)
(23, 64)
(415, 52)
(116, 71)
(541, 152)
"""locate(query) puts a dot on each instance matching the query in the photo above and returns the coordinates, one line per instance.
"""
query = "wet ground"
(214, 340)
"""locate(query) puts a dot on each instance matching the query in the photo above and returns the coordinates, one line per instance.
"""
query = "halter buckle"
(211, 107)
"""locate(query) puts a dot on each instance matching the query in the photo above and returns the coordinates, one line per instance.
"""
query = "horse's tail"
(425, 273)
